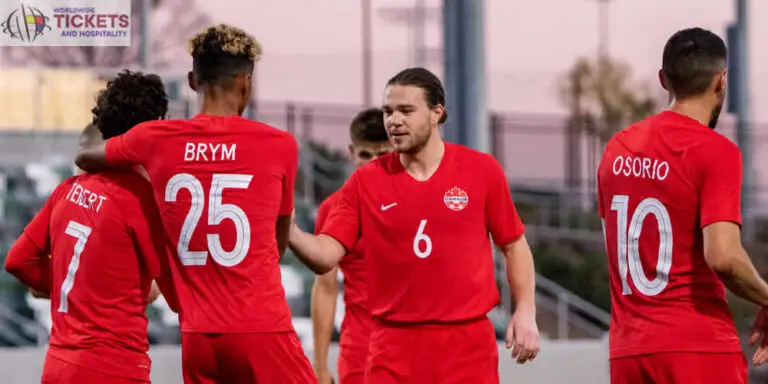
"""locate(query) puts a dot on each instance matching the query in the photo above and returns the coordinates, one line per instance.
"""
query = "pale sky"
(312, 48)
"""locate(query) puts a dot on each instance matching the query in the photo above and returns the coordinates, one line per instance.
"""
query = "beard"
(715, 116)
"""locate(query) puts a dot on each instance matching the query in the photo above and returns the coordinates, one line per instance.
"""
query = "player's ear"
(352, 151)
(721, 82)
(191, 81)
(437, 113)
(245, 87)
(663, 80)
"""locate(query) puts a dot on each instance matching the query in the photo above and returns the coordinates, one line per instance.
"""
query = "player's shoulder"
(378, 167)
(467, 155)
(65, 186)
(127, 185)
(328, 203)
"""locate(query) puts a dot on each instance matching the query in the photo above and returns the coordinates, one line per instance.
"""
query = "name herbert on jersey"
(641, 167)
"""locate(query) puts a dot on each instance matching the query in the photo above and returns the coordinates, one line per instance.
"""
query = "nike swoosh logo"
(385, 207)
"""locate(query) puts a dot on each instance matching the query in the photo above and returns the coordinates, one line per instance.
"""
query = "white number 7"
(81, 233)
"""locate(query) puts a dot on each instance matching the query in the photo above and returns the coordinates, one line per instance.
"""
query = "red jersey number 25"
(628, 241)
(217, 212)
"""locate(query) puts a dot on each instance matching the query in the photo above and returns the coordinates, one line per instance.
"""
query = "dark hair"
(368, 125)
(427, 81)
(221, 53)
(692, 57)
(129, 99)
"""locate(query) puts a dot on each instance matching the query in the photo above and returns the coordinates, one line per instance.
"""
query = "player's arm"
(149, 236)
(325, 291)
(28, 259)
(719, 177)
(285, 215)
(126, 150)
(507, 230)
(322, 253)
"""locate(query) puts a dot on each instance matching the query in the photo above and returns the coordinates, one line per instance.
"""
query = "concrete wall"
(579, 362)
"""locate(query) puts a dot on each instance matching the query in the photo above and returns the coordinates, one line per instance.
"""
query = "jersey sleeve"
(718, 169)
(28, 257)
(291, 165)
(143, 218)
(130, 148)
(146, 227)
(502, 220)
(322, 214)
(343, 223)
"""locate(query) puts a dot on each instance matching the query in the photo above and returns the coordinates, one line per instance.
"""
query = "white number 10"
(628, 238)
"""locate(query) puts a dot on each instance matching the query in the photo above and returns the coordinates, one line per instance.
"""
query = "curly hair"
(368, 126)
(129, 99)
(222, 52)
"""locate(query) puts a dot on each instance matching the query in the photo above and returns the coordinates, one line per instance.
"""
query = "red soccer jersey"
(428, 253)
(220, 184)
(105, 237)
(660, 182)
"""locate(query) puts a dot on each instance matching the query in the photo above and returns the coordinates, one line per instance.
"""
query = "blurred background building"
(556, 79)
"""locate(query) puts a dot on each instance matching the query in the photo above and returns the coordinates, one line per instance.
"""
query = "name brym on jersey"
(641, 167)
(209, 152)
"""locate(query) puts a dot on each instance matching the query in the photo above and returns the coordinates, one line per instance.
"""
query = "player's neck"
(423, 164)
(695, 109)
(218, 106)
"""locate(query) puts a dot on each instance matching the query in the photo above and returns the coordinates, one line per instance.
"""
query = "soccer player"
(369, 141)
(425, 213)
(224, 186)
(105, 239)
(669, 195)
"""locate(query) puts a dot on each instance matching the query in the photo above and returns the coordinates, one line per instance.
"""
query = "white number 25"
(628, 238)
(217, 212)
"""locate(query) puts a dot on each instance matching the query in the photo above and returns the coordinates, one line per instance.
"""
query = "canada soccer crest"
(456, 199)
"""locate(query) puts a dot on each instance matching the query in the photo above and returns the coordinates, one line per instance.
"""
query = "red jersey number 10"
(217, 212)
(628, 240)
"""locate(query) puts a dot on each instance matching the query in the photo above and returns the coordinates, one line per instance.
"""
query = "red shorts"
(244, 358)
(57, 371)
(353, 344)
(464, 352)
(680, 367)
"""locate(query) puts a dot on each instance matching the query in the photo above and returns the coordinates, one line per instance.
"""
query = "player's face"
(363, 152)
(409, 121)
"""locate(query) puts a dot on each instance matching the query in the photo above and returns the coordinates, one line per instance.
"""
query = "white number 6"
(419, 238)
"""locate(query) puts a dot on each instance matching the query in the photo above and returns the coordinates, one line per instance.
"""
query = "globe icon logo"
(25, 23)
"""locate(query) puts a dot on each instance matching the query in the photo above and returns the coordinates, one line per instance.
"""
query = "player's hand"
(39, 294)
(523, 336)
(759, 333)
(324, 377)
